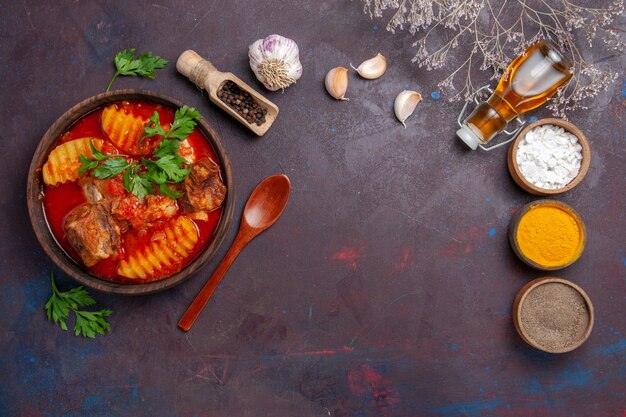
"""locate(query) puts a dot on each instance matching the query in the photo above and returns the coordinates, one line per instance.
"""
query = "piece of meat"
(143, 213)
(96, 189)
(203, 187)
(91, 230)
(92, 194)
(186, 151)
(199, 215)
(129, 208)
(160, 207)
(106, 192)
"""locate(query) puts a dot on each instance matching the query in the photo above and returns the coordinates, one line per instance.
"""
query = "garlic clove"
(405, 103)
(372, 68)
(336, 82)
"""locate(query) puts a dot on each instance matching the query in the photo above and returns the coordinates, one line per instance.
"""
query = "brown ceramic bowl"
(524, 183)
(35, 196)
(513, 226)
(518, 314)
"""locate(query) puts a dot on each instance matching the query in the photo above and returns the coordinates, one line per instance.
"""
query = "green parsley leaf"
(86, 164)
(126, 179)
(148, 64)
(156, 174)
(96, 154)
(124, 60)
(188, 113)
(78, 297)
(56, 308)
(172, 166)
(112, 167)
(166, 147)
(168, 192)
(185, 119)
(144, 65)
(137, 183)
(153, 127)
(141, 186)
(88, 323)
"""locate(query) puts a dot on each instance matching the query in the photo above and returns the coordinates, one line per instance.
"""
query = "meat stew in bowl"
(134, 192)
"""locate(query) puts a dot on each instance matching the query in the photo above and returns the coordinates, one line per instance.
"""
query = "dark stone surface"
(385, 289)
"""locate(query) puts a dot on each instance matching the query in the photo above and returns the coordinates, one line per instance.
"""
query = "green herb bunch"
(165, 166)
(144, 65)
(88, 323)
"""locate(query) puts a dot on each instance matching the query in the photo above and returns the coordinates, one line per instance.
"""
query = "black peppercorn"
(242, 103)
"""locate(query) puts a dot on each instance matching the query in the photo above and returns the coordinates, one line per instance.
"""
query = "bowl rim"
(35, 195)
(527, 185)
(515, 220)
(517, 312)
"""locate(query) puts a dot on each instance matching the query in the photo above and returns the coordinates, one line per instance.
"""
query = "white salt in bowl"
(523, 182)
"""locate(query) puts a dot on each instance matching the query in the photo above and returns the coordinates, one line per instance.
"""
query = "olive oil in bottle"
(529, 81)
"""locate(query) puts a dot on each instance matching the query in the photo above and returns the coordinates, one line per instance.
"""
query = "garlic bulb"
(372, 68)
(405, 104)
(275, 61)
(336, 82)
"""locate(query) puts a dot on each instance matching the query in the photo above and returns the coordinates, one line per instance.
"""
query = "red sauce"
(60, 200)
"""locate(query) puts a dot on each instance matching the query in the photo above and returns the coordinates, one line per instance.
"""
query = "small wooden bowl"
(35, 196)
(513, 226)
(525, 184)
(517, 313)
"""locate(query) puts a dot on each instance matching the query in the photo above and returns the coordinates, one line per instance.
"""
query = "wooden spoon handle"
(206, 292)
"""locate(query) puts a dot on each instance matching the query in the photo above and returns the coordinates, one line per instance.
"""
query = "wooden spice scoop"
(204, 74)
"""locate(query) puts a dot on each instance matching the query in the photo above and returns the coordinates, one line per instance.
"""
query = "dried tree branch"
(501, 30)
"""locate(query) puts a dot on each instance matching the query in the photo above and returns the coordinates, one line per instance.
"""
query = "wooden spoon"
(204, 74)
(264, 207)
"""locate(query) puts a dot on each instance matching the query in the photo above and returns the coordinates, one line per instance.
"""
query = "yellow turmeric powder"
(550, 235)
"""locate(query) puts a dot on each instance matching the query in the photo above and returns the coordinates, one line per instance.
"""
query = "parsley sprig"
(143, 66)
(165, 166)
(112, 166)
(88, 323)
(185, 119)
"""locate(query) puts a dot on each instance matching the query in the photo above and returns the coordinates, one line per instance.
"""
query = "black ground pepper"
(242, 102)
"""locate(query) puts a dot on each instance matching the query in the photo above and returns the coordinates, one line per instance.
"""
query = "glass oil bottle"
(529, 81)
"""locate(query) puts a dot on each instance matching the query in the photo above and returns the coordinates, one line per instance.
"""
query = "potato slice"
(122, 128)
(64, 160)
(181, 237)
